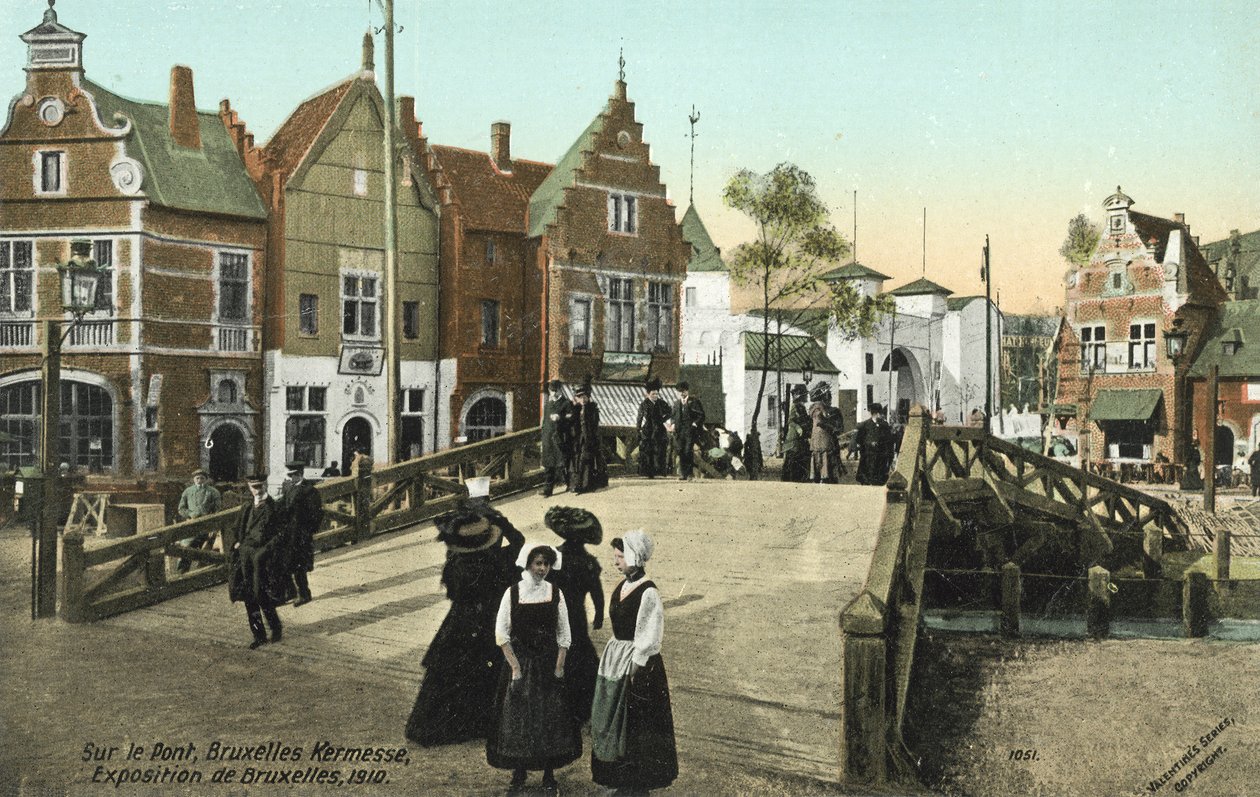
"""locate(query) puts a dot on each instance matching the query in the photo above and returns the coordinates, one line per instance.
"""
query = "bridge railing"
(880, 625)
(133, 573)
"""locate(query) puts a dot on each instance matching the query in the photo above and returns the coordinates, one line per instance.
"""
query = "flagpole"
(988, 342)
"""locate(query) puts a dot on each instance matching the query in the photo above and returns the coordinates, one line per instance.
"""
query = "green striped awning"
(1124, 405)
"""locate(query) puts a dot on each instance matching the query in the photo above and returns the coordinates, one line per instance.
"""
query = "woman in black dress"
(462, 664)
(632, 724)
(653, 438)
(532, 728)
(578, 578)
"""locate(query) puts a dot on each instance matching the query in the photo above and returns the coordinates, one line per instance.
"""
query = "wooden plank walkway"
(753, 576)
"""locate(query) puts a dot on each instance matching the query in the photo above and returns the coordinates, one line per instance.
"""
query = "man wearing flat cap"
(303, 512)
(256, 572)
(874, 442)
(198, 498)
(653, 438)
(557, 438)
(688, 423)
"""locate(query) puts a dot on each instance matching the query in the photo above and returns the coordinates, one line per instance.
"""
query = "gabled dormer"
(1117, 206)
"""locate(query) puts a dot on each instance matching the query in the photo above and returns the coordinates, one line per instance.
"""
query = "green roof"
(854, 270)
(704, 255)
(1238, 323)
(919, 287)
(550, 193)
(212, 179)
(1124, 405)
(959, 302)
(797, 351)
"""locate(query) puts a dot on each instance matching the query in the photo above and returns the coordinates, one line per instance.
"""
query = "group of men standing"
(571, 452)
(657, 420)
(274, 550)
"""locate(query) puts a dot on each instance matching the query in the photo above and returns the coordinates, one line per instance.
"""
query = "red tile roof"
(490, 199)
(290, 143)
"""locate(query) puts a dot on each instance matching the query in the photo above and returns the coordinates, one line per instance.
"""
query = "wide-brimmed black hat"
(798, 391)
(466, 531)
(684, 386)
(875, 408)
(652, 384)
(820, 391)
(574, 523)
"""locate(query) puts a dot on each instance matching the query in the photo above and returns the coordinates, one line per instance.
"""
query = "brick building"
(491, 284)
(165, 376)
(1146, 274)
(1232, 343)
(322, 178)
(612, 256)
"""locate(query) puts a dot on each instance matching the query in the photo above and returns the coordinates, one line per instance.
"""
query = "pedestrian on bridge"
(532, 728)
(462, 663)
(796, 441)
(589, 471)
(557, 439)
(1253, 467)
(824, 439)
(874, 442)
(256, 572)
(198, 499)
(578, 578)
(687, 421)
(654, 413)
(632, 723)
(303, 511)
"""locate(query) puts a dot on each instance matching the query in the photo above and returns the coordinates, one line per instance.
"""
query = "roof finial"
(369, 51)
(621, 65)
(50, 15)
(694, 117)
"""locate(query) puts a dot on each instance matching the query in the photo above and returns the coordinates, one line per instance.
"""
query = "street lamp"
(808, 375)
(80, 280)
(1175, 341)
(1175, 346)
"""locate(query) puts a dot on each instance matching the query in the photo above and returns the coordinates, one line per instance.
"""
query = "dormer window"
(1232, 342)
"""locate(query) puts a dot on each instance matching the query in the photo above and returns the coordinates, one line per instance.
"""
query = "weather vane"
(621, 64)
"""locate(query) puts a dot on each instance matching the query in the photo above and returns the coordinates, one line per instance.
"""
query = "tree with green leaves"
(795, 245)
(1082, 237)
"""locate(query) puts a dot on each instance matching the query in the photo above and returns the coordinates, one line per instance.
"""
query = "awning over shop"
(619, 402)
(1124, 405)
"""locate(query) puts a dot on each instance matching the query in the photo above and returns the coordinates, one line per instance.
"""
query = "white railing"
(92, 333)
(233, 339)
(15, 334)
(1112, 357)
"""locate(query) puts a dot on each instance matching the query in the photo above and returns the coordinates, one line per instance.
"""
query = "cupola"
(51, 45)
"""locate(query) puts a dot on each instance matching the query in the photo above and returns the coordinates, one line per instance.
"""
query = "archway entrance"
(356, 438)
(907, 377)
(227, 454)
(486, 418)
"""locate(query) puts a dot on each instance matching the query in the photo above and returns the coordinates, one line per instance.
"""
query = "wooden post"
(155, 568)
(362, 498)
(1194, 603)
(1010, 599)
(864, 717)
(1209, 446)
(1222, 554)
(516, 464)
(72, 568)
(1152, 552)
(1098, 610)
(415, 491)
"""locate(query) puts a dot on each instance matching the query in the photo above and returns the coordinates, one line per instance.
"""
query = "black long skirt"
(651, 756)
(532, 728)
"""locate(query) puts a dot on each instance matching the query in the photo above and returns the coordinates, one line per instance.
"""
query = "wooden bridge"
(958, 500)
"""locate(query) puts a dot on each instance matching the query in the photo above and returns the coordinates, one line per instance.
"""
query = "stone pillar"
(1194, 604)
(864, 715)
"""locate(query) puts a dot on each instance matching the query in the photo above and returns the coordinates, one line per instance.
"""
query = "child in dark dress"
(532, 728)
(578, 578)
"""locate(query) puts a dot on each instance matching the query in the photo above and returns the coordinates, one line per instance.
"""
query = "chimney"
(185, 126)
(501, 145)
(407, 117)
(1180, 218)
(369, 52)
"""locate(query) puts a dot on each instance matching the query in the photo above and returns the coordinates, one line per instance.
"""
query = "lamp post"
(80, 279)
(1175, 346)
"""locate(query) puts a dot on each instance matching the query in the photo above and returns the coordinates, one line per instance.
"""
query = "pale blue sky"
(1005, 118)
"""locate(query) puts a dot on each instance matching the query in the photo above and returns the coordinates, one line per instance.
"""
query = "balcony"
(1118, 357)
(15, 333)
(233, 339)
(92, 333)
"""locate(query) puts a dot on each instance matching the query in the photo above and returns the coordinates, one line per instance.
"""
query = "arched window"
(487, 418)
(86, 436)
(227, 392)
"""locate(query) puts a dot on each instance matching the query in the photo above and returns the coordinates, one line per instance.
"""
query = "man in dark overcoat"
(874, 442)
(688, 421)
(653, 438)
(557, 437)
(303, 512)
(796, 439)
(256, 573)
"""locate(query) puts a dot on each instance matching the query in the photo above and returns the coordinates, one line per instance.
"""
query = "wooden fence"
(135, 572)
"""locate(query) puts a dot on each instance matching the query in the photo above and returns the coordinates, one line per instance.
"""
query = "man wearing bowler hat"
(688, 423)
(198, 499)
(303, 511)
(256, 573)
(874, 442)
(653, 439)
(557, 438)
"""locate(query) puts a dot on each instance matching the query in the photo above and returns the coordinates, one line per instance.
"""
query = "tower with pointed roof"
(165, 375)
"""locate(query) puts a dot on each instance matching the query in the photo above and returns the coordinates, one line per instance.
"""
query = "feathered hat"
(574, 523)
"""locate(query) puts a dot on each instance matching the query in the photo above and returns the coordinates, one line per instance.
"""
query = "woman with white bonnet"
(532, 728)
(632, 725)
